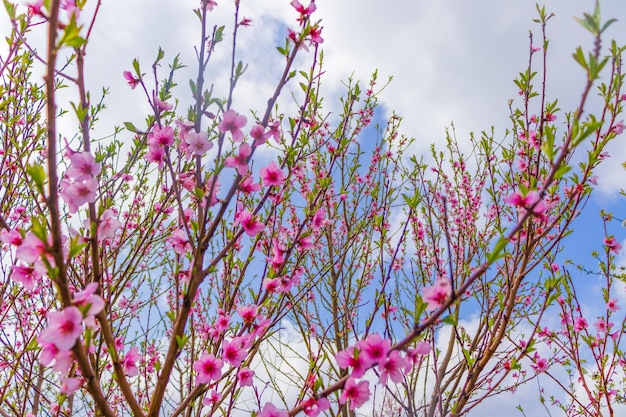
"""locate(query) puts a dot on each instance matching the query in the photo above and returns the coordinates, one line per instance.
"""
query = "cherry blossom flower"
(132, 81)
(612, 305)
(107, 225)
(198, 142)
(25, 275)
(241, 161)
(70, 385)
(161, 136)
(11, 237)
(619, 127)
(155, 154)
(272, 175)
(437, 294)
(179, 242)
(374, 348)
(392, 367)
(356, 393)
(64, 328)
(250, 223)
(352, 357)
(269, 410)
(245, 376)
(78, 193)
(208, 4)
(304, 11)
(540, 364)
(130, 361)
(247, 186)
(83, 166)
(63, 359)
(313, 407)
(613, 245)
(88, 299)
(233, 352)
(232, 122)
(580, 324)
(319, 219)
(248, 313)
(208, 367)
(531, 199)
(258, 134)
(214, 396)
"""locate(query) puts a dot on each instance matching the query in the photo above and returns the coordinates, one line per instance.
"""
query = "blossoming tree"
(155, 271)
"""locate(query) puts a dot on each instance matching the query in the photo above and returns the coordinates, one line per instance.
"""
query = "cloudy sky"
(452, 60)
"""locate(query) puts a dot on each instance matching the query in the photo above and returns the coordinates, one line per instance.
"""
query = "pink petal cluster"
(232, 122)
(269, 410)
(357, 393)
(80, 185)
(251, 225)
(208, 367)
(241, 161)
(437, 294)
(530, 201)
(272, 175)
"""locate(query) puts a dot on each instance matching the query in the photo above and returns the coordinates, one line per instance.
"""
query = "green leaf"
(38, 175)
(219, 35)
(131, 127)
(498, 248)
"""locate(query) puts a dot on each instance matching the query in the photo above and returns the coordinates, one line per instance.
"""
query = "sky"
(451, 61)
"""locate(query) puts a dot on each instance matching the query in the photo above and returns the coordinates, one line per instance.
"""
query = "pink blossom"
(63, 359)
(270, 411)
(274, 131)
(155, 154)
(304, 11)
(78, 193)
(232, 122)
(64, 328)
(313, 407)
(240, 161)
(356, 393)
(540, 365)
(248, 313)
(25, 275)
(392, 367)
(374, 348)
(602, 326)
(214, 396)
(245, 376)
(162, 105)
(208, 4)
(272, 175)
(250, 223)
(70, 385)
(531, 199)
(89, 299)
(580, 324)
(437, 294)
(246, 186)
(318, 220)
(613, 245)
(130, 361)
(208, 367)
(179, 242)
(612, 305)
(132, 81)
(107, 225)
(11, 237)
(258, 134)
(422, 348)
(233, 352)
(315, 34)
(83, 166)
(160, 137)
(352, 357)
(198, 142)
(619, 127)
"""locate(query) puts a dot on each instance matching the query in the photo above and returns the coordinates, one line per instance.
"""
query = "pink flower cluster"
(374, 350)
(63, 331)
(530, 201)
(80, 183)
